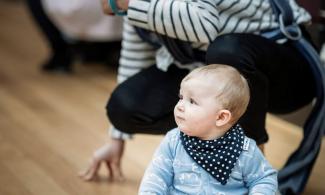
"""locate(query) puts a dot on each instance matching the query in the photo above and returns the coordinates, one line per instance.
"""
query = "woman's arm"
(136, 54)
(187, 20)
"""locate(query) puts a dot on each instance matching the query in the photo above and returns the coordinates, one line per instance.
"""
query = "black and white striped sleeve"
(135, 54)
(187, 20)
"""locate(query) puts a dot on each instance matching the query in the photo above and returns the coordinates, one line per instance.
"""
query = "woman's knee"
(120, 108)
(223, 49)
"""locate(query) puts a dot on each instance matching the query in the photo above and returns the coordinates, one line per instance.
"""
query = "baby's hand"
(111, 155)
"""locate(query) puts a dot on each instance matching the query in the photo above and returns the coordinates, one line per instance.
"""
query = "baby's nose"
(180, 107)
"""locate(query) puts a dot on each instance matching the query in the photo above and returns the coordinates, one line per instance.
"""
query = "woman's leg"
(279, 77)
(145, 102)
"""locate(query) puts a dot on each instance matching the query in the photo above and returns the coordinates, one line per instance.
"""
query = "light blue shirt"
(172, 171)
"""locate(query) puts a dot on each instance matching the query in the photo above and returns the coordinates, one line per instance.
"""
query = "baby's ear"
(223, 117)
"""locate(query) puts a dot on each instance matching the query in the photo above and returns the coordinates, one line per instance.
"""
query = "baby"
(208, 153)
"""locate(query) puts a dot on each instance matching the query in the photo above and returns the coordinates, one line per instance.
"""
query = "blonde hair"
(232, 88)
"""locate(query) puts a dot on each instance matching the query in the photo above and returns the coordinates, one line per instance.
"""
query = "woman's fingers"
(106, 7)
(91, 172)
(115, 172)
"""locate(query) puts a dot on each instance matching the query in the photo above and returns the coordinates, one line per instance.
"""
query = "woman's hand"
(121, 5)
(109, 154)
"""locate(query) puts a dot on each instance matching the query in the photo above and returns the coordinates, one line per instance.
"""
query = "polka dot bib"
(218, 157)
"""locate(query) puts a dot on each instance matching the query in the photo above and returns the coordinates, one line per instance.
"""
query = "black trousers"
(279, 78)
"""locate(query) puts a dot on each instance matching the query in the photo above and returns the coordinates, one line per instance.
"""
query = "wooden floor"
(51, 124)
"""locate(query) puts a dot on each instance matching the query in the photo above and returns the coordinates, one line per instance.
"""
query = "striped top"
(196, 21)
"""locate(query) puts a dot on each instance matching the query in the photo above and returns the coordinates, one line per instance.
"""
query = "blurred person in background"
(76, 30)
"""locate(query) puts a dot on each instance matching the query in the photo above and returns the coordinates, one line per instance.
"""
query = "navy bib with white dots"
(219, 156)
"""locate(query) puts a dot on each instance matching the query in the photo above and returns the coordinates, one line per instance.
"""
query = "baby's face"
(196, 111)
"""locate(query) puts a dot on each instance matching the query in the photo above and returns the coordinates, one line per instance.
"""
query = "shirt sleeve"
(136, 54)
(187, 20)
(259, 175)
(117, 134)
(159, 174)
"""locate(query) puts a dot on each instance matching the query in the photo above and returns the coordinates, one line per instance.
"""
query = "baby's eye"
(192, 101)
